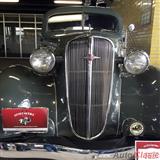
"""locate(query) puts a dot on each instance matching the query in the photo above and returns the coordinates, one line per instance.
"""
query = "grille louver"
(89, 67)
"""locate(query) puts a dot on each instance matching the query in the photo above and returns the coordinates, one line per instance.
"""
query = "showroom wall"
(155, 45)
(138, 12)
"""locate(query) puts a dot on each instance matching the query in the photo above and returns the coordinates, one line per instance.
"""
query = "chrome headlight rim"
(42, 54)
(134, 53)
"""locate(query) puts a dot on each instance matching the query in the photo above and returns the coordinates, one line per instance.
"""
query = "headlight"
(136, 62)
(42, 60)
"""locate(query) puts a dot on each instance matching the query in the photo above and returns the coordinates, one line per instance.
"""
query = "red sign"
(147, 150)
(25, 120)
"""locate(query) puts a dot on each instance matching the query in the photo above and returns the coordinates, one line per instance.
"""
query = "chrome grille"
(89, 66)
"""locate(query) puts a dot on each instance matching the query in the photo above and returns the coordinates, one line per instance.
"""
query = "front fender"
(141, 100)
(18, 83)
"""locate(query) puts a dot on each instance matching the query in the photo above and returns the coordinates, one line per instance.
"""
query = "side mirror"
(131, 27)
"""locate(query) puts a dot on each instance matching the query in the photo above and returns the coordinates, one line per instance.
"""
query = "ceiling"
(36, 6)
(33, 6)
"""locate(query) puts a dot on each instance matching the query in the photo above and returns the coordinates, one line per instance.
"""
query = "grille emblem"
(91, 57)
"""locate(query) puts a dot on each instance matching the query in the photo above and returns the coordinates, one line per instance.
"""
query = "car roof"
(83, 10)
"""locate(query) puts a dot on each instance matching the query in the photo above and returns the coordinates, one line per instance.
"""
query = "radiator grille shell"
(89, 75)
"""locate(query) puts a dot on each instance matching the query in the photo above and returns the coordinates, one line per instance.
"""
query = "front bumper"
(57, 152)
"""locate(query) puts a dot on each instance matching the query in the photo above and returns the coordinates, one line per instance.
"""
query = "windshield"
(77, 22)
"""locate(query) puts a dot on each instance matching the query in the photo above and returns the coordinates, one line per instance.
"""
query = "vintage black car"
(100, 96)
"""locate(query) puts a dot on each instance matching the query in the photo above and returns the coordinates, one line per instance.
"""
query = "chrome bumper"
(57, 152)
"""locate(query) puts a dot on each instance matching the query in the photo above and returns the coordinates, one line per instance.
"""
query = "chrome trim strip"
(89, 90)
(119, 100)
(111, 89)
(89, 83)
(56, 109)
(26, 129)
(58, 152)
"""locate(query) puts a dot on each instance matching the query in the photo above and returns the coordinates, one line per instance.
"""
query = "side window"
(146, 11)
(12, 35)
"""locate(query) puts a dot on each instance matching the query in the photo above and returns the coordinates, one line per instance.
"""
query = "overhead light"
(67, 2)
(27, 28)
(65, 18)
(147, 4)
(9, 1)
(82, 28)
(31, 28)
